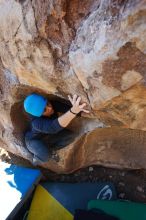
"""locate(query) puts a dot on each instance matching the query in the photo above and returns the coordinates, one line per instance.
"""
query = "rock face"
(114, 147)
(95, 48)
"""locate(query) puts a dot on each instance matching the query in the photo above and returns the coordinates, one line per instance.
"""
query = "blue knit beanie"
(35, 104)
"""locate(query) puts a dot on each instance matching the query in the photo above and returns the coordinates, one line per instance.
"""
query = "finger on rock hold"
(70, 99)
(74, 98)
(78, 100)
(83, 105)
(84, 110)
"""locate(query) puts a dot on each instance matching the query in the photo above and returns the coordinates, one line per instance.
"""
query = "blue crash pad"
(58, 201)
(16, 184)
(77, 195)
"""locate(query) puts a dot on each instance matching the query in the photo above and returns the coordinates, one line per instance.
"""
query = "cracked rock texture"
(95, 48)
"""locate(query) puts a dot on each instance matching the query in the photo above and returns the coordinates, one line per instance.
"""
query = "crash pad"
(59, 200)
(16, 184)
(124, 210)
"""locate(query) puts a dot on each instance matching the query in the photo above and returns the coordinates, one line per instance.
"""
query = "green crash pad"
(124, 210)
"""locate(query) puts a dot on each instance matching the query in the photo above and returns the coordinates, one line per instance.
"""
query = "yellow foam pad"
(45, 207)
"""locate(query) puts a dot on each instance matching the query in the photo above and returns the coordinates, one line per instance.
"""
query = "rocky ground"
(130, 184)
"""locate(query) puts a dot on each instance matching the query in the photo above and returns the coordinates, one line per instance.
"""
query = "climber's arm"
(76, 108)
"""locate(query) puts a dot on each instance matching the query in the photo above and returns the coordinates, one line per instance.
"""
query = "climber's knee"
(38, 148)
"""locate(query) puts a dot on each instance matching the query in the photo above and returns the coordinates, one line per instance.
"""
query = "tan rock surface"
(93, 48)
(112, 147)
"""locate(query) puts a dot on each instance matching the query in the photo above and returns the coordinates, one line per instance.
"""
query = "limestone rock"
(95, 48)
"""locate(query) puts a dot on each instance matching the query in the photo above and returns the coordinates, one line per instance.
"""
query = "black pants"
(41, 147)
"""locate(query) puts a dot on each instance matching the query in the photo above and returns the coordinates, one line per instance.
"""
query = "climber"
(45, 122)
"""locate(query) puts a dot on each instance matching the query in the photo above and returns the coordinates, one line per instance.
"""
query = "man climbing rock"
(46, 123)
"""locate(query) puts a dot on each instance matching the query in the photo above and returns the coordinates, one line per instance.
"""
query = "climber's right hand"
(76, 106)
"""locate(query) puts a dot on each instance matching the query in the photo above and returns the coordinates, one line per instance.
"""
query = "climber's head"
(37, 105)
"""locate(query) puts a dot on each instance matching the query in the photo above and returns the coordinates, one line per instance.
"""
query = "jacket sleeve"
(47, 126)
